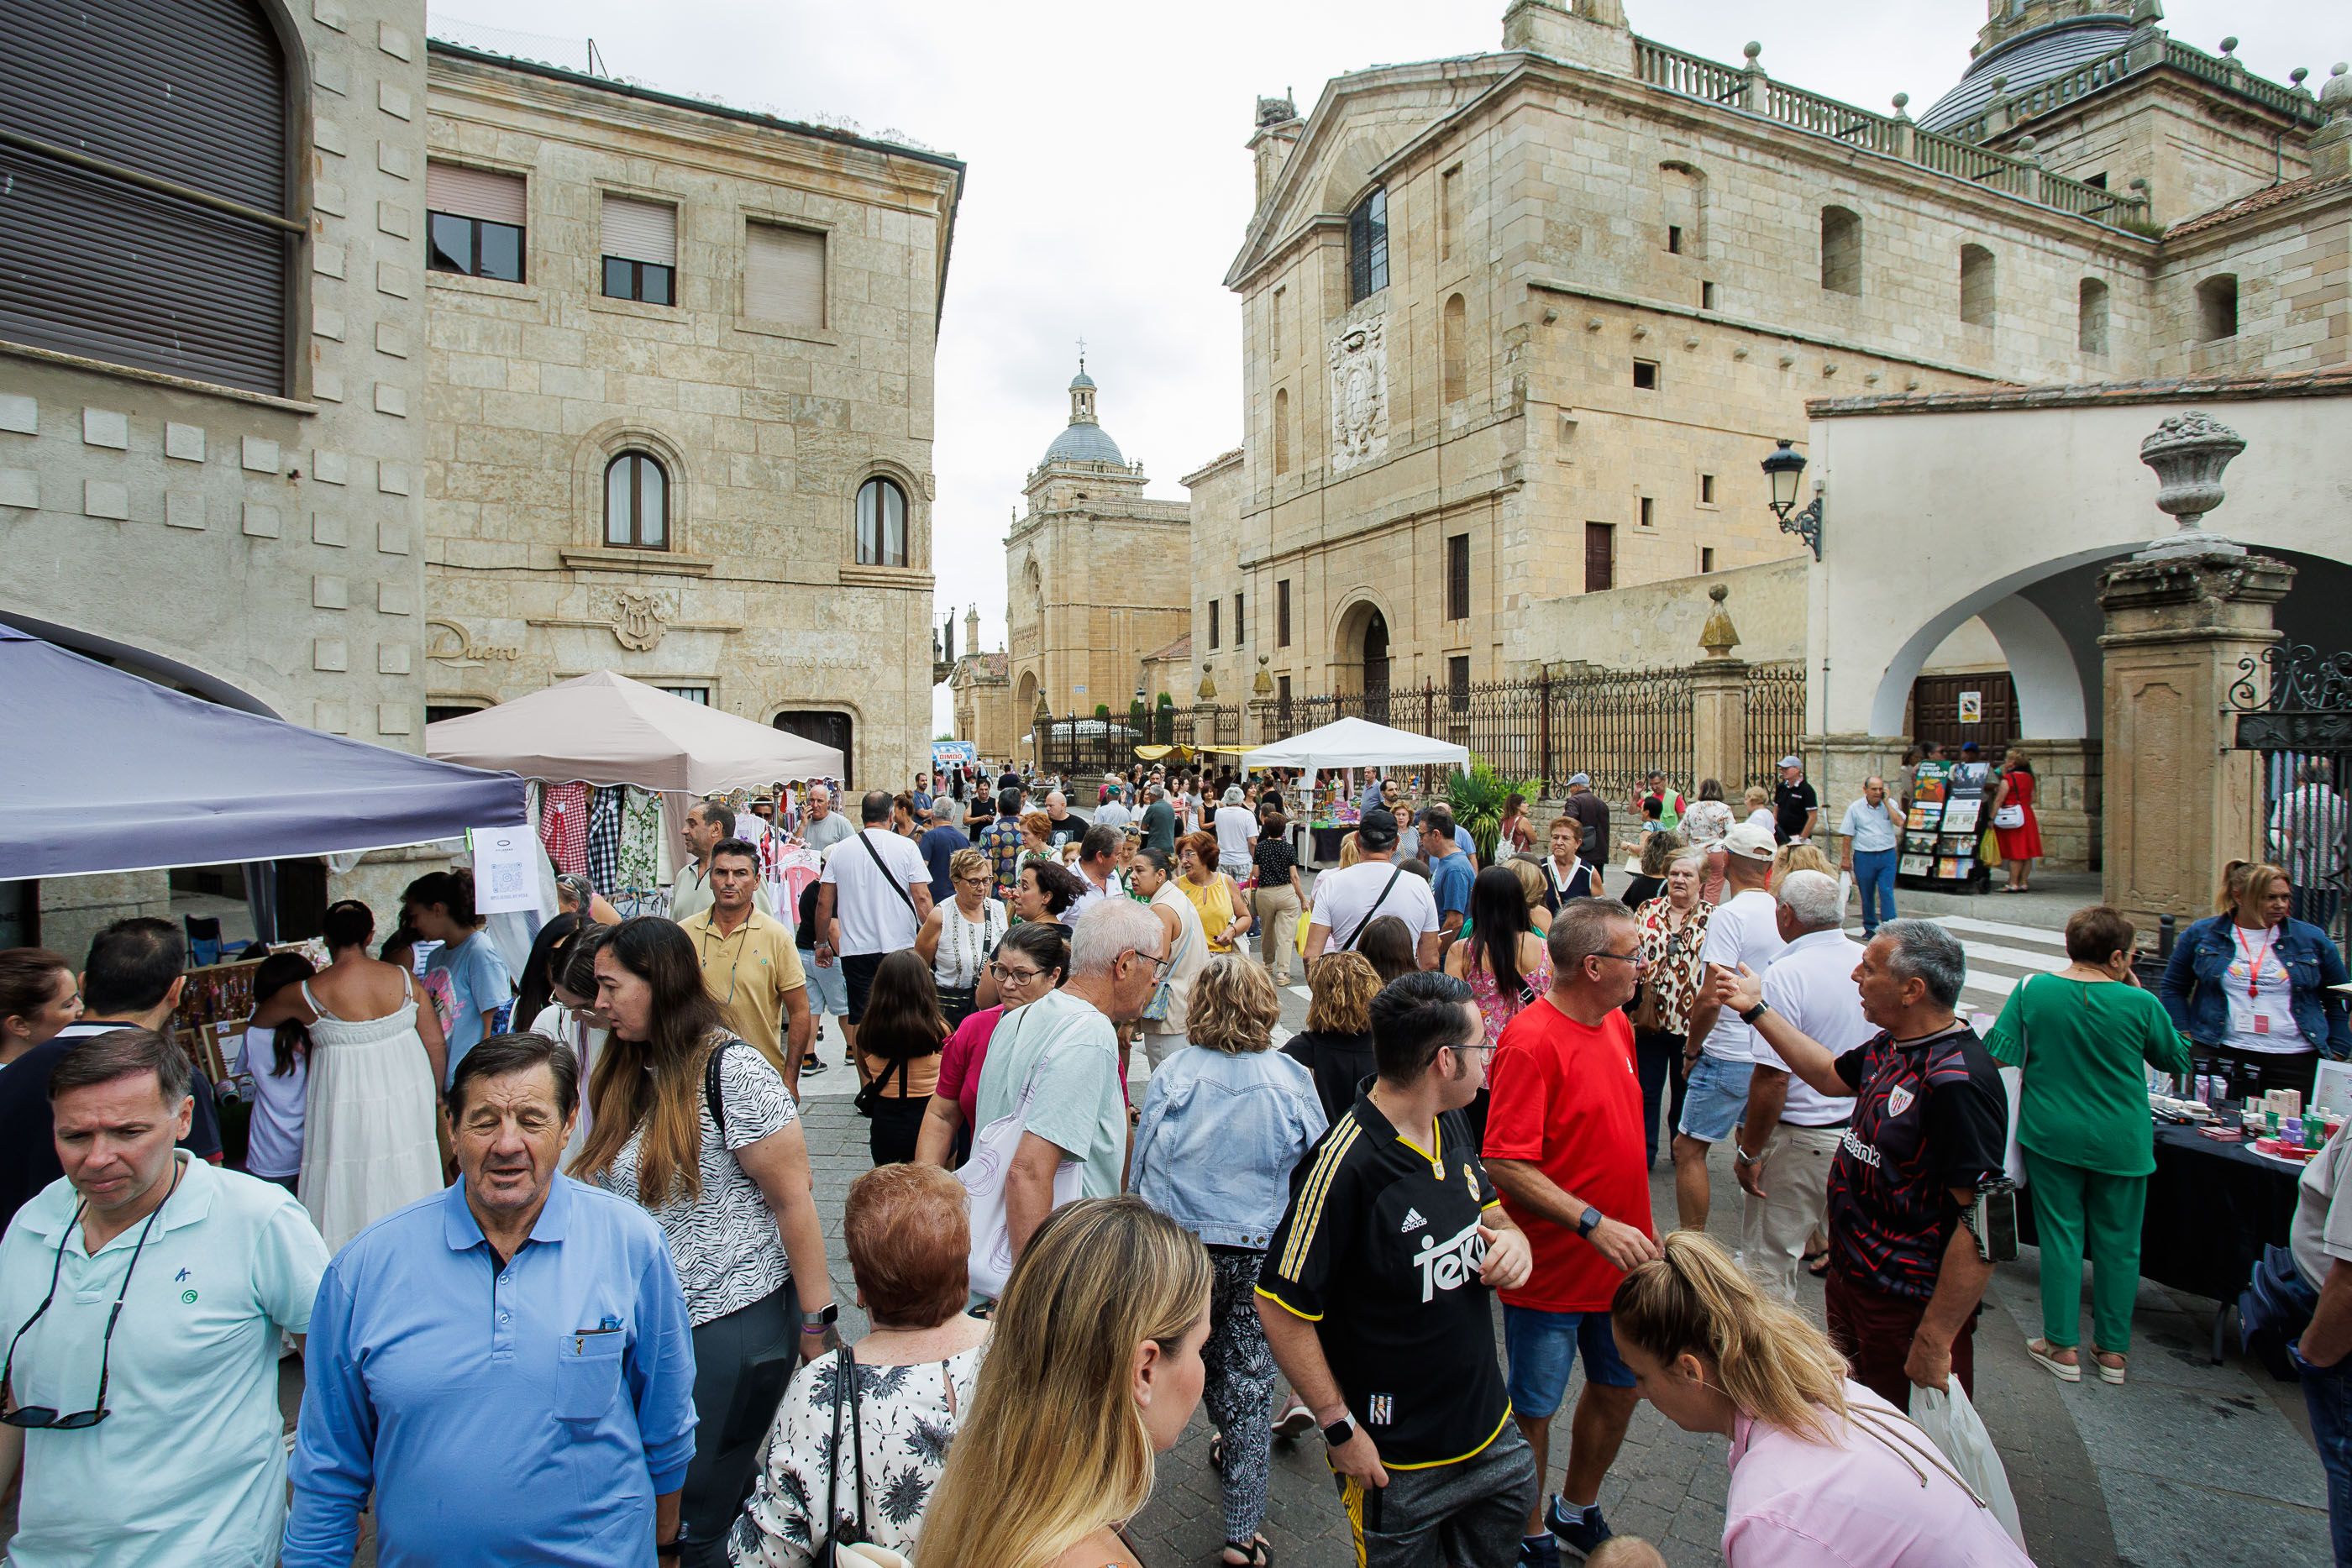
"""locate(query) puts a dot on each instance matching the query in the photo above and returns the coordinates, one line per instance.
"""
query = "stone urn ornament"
(2189, 452)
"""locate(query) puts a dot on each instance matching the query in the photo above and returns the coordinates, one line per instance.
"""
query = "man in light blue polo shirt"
(1869, 831)
(143, 1391)
(507, 1365)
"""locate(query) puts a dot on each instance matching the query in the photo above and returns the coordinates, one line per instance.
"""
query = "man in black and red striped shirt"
(1930, 1120)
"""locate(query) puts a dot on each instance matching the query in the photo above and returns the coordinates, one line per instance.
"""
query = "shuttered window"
(474, 222)
(1599, 556)
(1457, 577)
(783, 275)
(96, 262)
(482, 194)
(639, 243)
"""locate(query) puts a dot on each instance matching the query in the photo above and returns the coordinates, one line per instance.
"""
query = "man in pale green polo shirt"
(159, 1443)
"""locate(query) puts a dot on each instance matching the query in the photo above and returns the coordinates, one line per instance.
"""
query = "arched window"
(1841, 250)
(2217, 306)
(636, 502)
(193, 94)
(1282, 430)
(1449, 351)
(2091, 317)
(1975, 285)
(881, 523)
(1368, 247)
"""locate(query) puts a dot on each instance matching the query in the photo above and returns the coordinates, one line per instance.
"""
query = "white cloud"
(1108, 185)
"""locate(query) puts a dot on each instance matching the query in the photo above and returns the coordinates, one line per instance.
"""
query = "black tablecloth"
(2211, 1207)
(1327, 842)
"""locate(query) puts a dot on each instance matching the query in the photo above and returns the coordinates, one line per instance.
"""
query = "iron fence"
(2292, 709)
(1074, 748)
(1774, 702)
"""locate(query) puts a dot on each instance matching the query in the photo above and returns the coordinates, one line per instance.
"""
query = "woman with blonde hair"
(1223, 910)
(1823, 1470)
(1755, 804)
(1803, 856)
(1094, 1367)
(1336, 1046)
(1224, 1123)
(1531, 884)
(2252, 987)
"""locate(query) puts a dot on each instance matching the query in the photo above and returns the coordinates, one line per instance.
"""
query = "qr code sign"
(507, 879)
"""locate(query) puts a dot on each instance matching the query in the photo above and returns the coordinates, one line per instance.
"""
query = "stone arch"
(918, 509)
(1349, 174)
(2051, 698)
(597, 449)
(1682, 205)
(1363, 647)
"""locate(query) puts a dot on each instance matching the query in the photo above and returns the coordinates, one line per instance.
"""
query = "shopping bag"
(1952, 1423)
(1845, 891)
(983, 1175)
(1305, 919)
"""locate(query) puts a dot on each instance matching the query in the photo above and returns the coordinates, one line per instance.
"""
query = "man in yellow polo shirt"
(749, 965)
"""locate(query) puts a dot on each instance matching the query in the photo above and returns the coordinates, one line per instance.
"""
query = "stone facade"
(263, 551)
(765, 432)
(980, 692)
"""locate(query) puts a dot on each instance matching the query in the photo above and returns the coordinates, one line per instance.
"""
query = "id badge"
(2261, 1023)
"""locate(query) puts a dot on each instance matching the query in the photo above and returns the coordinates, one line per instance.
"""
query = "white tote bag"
(1953, 1424)
(983, 1176)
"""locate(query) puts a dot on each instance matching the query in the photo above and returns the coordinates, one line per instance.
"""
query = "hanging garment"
(604, 838)
(564, 826)
(640, 869)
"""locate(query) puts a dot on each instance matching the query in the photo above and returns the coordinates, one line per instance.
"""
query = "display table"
(1326, 838)
(2211, 1208)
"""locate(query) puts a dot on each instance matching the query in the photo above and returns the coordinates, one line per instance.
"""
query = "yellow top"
(748, 972)
(1215, 903)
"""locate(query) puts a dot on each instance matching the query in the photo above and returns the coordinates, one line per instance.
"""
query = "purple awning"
(104, 771)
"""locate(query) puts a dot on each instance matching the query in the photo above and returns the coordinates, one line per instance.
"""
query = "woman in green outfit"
(2084, 1037)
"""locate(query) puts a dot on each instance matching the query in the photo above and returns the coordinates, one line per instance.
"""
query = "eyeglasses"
(1159, 965)
(1005, 975)
(43, 1418)
(1639, 959)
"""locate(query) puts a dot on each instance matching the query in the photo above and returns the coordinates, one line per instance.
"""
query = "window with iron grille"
(1457, 577)
(1240, 636)
(1282, 613)
(1457, 683)
(1599, 556)
(1368, 247)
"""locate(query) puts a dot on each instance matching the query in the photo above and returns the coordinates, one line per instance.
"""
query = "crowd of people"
(589, 1247)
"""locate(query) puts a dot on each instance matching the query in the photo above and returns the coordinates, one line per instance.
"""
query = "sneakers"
(811, 1066)
(1295, 1423)
(1538, 1552)
(1579, 1534)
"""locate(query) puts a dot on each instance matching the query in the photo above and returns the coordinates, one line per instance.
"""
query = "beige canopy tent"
(604, 728)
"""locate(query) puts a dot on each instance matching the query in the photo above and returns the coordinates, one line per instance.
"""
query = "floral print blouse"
(906, 1417)
(1674, 956)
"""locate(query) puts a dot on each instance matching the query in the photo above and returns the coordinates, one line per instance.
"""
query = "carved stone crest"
(1358, 359)
(638, 619)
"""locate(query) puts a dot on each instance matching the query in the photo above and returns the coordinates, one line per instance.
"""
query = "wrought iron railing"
(1074, 746)
(2292, 708)
(1774, 702)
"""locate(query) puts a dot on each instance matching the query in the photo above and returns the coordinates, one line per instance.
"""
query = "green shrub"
(1477, 797)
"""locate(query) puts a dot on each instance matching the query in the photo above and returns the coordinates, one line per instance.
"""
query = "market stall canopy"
(1358, 743)
(604, 728)
(114, 773)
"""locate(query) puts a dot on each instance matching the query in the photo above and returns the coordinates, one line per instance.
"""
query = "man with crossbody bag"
(1346, 900)
(871, 901)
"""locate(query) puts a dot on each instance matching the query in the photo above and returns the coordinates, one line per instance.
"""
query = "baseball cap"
(1378, 830)
(1583, 779)
(1749, 839)
(1792, 760)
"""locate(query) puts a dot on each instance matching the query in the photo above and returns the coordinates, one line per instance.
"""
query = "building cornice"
(2334, 381)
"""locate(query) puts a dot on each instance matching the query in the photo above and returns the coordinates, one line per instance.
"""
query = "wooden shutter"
(1457, 577)
(1599, 556)
(192, 92)
(481, 193)
(640, 231)
(783, 275)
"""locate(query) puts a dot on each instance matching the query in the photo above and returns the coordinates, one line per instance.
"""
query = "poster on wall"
(1972, 707)
(506, 879)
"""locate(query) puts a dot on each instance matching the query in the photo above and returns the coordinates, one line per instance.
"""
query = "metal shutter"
(783, 275)
(191, 91)
(474, 194)
(640, 231)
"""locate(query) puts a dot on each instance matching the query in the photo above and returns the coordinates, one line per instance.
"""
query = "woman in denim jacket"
(2250, 987)
(1223, 1122)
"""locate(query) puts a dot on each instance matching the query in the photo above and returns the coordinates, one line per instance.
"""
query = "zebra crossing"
(2002, 957)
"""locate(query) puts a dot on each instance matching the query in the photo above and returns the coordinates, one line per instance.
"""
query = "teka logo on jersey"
(1449, 1264)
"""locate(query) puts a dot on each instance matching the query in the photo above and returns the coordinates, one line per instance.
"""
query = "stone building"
(1095, 577)
(980, 693)
(211, 371)
(1518, 326)
(679, 425)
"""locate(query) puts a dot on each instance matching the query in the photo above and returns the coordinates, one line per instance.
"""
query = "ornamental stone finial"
(1207, 690)
(1264, 686)
(2189, 452)
(1718, 636)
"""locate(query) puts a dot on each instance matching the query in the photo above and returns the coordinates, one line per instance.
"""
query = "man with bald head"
(1871, 830)
(827, 826)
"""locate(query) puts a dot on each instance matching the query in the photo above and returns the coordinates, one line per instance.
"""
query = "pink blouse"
(1863, 1499)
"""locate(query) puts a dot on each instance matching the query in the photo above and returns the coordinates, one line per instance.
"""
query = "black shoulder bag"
(838, 1534)
(1349, 944)
(883, 866)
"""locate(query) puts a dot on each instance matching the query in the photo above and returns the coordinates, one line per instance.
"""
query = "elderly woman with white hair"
(1054, 1064)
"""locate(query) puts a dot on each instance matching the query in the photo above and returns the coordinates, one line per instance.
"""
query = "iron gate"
(2292, 708)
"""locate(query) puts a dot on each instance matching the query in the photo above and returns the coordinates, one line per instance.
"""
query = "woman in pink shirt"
(1031, 960)
(1823, 1470)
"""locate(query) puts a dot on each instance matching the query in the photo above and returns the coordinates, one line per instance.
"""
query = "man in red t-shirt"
(1564, 1146)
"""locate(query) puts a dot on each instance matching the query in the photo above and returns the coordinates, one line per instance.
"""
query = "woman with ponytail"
(1823, 1470)
(1093, 1369)
(278, 1060)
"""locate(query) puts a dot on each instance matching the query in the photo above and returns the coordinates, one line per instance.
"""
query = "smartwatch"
(1340, 1433)
(1751, 1014)
(1589, 1222)
(821, 1319)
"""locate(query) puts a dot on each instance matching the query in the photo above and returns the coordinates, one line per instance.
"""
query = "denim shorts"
(827, 991)
(1717, 1094)
(1542, 1346)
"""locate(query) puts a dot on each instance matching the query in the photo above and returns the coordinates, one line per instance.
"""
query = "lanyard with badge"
(2262, 1022)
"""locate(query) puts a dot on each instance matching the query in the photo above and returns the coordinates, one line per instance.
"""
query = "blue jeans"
(2328, 1393)
(1874, 877)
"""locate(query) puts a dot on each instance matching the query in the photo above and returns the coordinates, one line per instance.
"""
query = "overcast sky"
(1108, 186)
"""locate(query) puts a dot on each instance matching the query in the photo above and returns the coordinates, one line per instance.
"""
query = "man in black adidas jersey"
(1375, 1298)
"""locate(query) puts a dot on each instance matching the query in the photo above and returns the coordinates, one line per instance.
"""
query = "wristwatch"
(824, 1318)
(1750, 1015)
(1589, 1222)
(1340, 1433)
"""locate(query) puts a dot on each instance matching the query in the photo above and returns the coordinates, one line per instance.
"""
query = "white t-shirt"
(1113, 814)
(1343, 897)
(2263, 1021)
(274, 1143)
(1742, 930)
(1237, 828)
(875, 919)
(2321, 1231)
(1762, 817)
(1811, 983)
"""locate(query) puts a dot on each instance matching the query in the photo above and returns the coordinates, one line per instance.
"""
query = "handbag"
(983, 1175)
(2010, 816)
(842, 1540)
(1163, 994)
(869, 1094)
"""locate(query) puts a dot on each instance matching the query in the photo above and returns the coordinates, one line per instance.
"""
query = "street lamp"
(1783, 469)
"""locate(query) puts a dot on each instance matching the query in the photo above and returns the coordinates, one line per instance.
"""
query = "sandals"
(1817, 1264)
(2041, 1350)
(1255, 1553)
(2115, 1374)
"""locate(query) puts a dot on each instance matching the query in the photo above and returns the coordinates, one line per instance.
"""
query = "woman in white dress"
(377, 1056)
(960, 934)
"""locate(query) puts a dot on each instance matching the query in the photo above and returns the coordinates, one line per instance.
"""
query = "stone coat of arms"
(1358, 357)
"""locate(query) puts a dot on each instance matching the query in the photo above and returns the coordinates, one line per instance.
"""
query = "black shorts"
(858, 978)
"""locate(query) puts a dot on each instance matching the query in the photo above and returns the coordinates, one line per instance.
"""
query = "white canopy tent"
(604, 728)
(1357, 743)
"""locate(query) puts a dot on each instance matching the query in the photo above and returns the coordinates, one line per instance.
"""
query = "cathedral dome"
(1085, 444)
(2027, 60)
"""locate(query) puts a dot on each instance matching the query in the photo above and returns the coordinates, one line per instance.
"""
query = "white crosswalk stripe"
(2001, 957)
